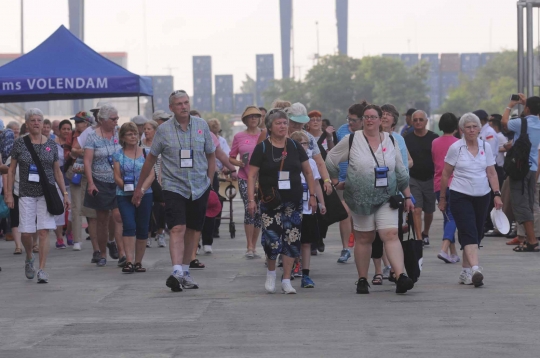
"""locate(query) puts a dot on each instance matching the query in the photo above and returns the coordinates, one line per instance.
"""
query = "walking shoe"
(454, 258)
(515, 241)
(321, 247)
(270, 284)
(207, 249)
(386, 272)
(102, 262)
(297, 270)
(77, 246)
(60, 244)
(465, 278)
(477, 277)
(149, 242)
(122, 261)
(88, 238)
(351, 240)
(256, 255)
(113, 250)
(404, 284)
(314, 252)
(174, 281)
(42, 277)
(445, 257)
(362, 286)
(35, 249)
(425, 238)
(29, 269)
(161, 240)
(69, 239)
(345, 256)
(188, 282)
(307, 282)
(95, 257)
(287, 288)
(249, 254)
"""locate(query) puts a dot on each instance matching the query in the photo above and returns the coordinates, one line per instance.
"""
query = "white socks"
(474, 268)
(286, 281)
(185, 268)
(178, 268)
(271, 273)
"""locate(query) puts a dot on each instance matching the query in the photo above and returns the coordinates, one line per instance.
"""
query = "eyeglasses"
(253, 116)
(353, 120)
(304, 143)
(418, 119)
(315, 119)
(370, 117)
(113, 119)
(177, 92)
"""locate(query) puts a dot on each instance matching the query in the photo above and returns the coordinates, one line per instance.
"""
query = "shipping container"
(449, 80)
(202, 85)
(163, 87)
(202, 103)
(450, 62)
(224, 85)
(265, 64)
(241, 100)
(202, 64)
(409, 59)
(433, 60)
(223, 103)
(486, 57)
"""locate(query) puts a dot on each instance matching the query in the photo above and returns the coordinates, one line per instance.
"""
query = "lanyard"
(373, 154)
(107, 142)
(124, 161)
(190, 129)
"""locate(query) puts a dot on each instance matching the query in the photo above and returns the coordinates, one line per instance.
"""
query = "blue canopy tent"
(63, 68)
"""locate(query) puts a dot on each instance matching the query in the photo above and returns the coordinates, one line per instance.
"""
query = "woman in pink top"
(243, 145)
(448, 125)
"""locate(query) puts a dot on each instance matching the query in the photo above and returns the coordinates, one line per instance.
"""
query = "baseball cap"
(83, 117)
(139, 120)
(213, 206)
(160, 114)
(410, 111)
(98, 106)
(481, 114)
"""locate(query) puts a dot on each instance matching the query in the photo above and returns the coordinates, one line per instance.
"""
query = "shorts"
(33, 215)
(522, 193)
(182, 211)
(384, 218)
(423, 193)
(104, 200)
(310, 229)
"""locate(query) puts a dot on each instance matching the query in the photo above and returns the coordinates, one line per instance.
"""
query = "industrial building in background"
(265, 75)
(224, 97)
(202, 83)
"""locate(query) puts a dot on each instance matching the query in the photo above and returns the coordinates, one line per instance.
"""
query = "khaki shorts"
(384, 218)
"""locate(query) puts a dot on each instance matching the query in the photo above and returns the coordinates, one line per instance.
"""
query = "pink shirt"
(243, 143)
(215, 139)
(439, 148)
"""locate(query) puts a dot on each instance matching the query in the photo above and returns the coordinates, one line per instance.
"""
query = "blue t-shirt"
(341, 133)
(402, 147)
(131, 167)
(533, 129)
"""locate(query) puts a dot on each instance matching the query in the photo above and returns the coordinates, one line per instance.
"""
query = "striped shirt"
(169, 139)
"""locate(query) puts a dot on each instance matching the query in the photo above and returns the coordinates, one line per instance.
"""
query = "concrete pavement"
(87, 311)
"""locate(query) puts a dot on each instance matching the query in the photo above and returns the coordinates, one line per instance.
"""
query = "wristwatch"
(497, 193)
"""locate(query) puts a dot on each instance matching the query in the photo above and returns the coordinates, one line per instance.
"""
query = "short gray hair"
(12, 124)
(106, 110)
(177, 94)
(153, 123)
(33, 112)
(420, 111)
(274, 114)
(469, 118)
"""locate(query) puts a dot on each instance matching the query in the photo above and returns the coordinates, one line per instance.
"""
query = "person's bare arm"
(59, 178)
(76, 150)
(506, 114)
(253, 174)
(211, 158)
(148, 167)
(118, 175)
(409, 159)
(8, 190)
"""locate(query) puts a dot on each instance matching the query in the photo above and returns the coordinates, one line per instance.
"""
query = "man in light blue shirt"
(522, 191)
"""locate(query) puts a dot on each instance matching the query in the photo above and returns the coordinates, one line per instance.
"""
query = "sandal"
(526, 247)
(377, 280)
(17, 251)
(138, 267)
(128, 268)
(35, 249)
(392, 277)
(196, 264)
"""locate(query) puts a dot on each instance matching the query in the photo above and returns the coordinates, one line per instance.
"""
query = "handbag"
(4, 209)
(157, 190)
(396, 201)
(337, 213)
(270, 196)
(412, 252)
(55, 205)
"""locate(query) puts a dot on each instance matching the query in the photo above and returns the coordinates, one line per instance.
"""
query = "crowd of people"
(148, 177)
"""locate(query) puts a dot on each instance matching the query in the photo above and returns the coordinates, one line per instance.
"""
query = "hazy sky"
(161, 36)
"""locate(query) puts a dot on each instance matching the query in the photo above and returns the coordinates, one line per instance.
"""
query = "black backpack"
(516, 163)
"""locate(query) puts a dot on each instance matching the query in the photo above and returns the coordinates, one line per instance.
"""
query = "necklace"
(283, 154)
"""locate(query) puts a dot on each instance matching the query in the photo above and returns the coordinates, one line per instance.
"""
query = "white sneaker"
(249, 254)
(445, 257)
(465, 278)
(270, 284)
(477, 278)
(207, 249)
(287, 288)
(161, 240)
(455, 258)
(149, 242)
(77, 246)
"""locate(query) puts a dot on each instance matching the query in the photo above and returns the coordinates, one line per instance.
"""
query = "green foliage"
(249, 86)
(489, 90)
(337, 82)
(224, 120)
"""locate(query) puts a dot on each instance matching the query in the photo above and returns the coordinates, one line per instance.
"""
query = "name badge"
(186, 158)
(33, 174)
(129, 183)
(305, 194)
(110, 160)
(381, 177)
(283, 180)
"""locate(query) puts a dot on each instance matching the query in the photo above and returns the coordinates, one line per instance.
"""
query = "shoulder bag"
(55, 206)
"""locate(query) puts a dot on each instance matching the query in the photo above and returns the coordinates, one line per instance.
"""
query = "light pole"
(22, 27)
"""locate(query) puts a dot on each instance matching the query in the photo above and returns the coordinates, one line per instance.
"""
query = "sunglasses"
(177, 92)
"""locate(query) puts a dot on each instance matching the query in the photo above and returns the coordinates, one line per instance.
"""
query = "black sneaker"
(88, 238)
(425, 238)
(404, 284)
(95, 257)
(122, 261)
(113, 250)
(362, 286)
(174, 282)
(321, 247)
(314, 252)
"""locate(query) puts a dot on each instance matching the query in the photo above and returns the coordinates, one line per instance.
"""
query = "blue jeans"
(135, 220)
(449, 223)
